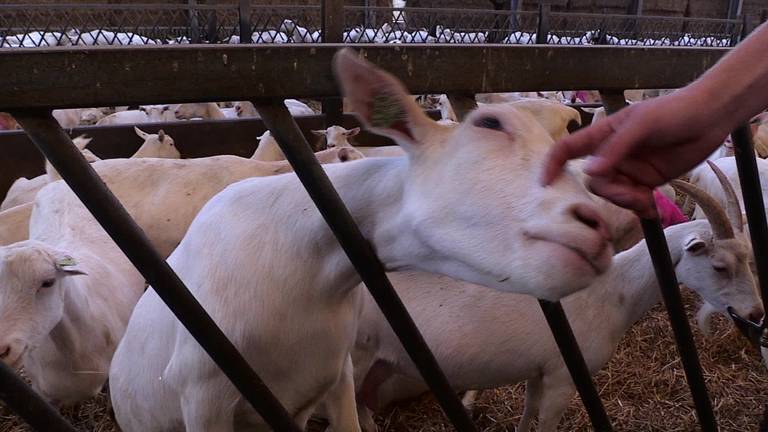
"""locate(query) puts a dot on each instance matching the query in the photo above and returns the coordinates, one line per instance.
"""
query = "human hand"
(641, 147)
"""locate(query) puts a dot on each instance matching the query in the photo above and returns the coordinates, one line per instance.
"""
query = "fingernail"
(592, 164)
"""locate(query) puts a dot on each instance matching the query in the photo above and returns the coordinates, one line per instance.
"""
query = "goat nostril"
(6, 351)
(589, 217)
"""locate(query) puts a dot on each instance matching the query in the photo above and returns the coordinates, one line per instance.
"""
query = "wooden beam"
(108, 76)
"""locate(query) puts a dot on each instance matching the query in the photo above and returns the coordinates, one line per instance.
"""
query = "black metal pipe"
(670, 291)
(29, 405)
(54, 143)
(752, 193)
(244, 21)
(577, 367)
(360, 252)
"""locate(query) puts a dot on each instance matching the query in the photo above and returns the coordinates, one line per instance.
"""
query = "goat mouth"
(596, 268)
(749, 329)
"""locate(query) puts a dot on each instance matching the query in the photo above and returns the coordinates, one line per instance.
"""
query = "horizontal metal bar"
(363, 257)
(48, 136)
(577, 367)
(29, 405)
(106, 76)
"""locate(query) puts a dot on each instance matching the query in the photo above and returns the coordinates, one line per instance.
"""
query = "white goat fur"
(296, 328)
(23, 190)
(337, 136)
(469, 349)
(295, 107)
(163, 196)
(208, 111)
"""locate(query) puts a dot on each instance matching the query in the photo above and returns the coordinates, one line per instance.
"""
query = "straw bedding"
(643, 389)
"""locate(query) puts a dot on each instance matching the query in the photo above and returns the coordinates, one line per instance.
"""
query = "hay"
(643, 389)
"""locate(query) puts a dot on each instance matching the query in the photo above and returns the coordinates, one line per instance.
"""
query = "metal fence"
(283, 74)
(109, 24)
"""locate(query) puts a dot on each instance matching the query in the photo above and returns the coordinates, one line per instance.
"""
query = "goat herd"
(455, 212)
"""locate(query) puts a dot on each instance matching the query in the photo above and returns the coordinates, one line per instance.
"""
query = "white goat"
(269, 151)
(124, 117)
(14, 224)
(159, 113)
(268, 37)
(297, 327)
(298, 34)
(62, 329)
(23, 190)
(296, 108)
(337, 136)
(208, 111)
(503, 339)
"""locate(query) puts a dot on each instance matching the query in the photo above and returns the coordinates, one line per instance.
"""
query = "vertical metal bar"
(514, 8)
(462, 104)
(577, 367)
(212, 29)
(751, 191)
(360, 252)
(332, 25)
(635, 8)
(499, 30)
(734, 8)
(29, 405)
(542, 30)
(194, 23)
(57, 147)
(332, 20)
(670, 291)
(244, 11)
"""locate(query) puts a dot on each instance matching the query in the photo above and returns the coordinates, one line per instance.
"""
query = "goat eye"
(488, 123)
(720, 269)
(47, 283)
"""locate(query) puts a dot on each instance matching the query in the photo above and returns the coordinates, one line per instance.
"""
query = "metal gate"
(31, 101)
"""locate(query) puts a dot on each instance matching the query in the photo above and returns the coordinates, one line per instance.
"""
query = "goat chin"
(704, 318)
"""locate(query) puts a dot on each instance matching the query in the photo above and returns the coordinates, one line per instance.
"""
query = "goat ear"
(381, 101)
(320, 132)
(694, 245)
(143, 135)
(68, 266)
(352, 132)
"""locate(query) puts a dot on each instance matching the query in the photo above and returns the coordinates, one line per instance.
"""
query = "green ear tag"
(66, 261)
(386, 111)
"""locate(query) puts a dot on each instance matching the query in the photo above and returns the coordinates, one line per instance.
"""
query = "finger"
(637, 198)
(639, 171)
(617, 146)
(579, 144)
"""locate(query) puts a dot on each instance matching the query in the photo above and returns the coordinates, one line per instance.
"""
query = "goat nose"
(589, 217)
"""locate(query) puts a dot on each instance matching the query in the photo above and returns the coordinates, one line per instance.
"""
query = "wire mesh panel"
(64, 25)
(284, 24)
(582, 29)
(109, 24)
(432, 25)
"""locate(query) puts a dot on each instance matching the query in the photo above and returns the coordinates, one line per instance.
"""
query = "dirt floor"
(643, 388)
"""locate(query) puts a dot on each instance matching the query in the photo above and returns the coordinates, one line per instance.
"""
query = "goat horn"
(732, 208)
(721, 226)
(161, 134)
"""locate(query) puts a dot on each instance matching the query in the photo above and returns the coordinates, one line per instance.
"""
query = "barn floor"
(643, 388)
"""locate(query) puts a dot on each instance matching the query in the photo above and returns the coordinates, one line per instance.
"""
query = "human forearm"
(736, 88)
